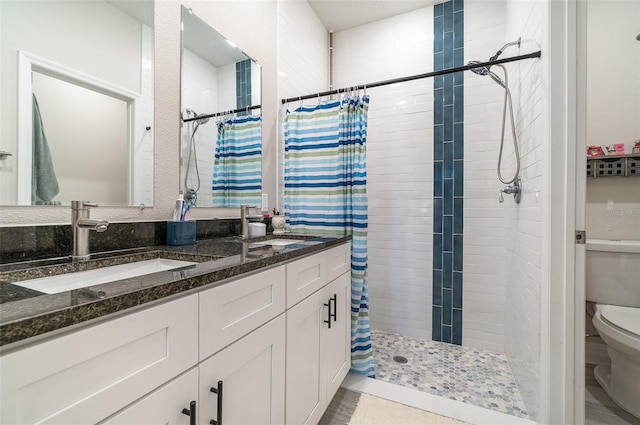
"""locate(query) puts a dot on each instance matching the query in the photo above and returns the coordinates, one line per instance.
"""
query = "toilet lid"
(626, 318)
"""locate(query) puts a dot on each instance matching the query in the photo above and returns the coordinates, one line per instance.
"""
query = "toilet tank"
(613, 272)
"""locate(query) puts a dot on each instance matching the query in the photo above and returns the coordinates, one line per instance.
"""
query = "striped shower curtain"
(237, 167)
(325, 194)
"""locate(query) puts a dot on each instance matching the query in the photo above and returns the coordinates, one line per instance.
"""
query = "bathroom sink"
(82, 279)
(274, 242)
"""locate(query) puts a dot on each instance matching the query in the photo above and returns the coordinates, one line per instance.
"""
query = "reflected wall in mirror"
(613, 70)
(221, 135)
(76, 102)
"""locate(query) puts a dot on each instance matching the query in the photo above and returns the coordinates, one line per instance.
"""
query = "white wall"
(142, 146)
(613, 111)
(399, 164)
(259, 43)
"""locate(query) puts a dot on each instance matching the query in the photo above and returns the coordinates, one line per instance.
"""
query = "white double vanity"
(265, 347)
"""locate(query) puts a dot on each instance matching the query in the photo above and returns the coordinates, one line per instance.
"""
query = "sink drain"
(400, 359)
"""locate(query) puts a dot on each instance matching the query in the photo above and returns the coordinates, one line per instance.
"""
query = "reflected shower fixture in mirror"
(81, 76)
(220, 138)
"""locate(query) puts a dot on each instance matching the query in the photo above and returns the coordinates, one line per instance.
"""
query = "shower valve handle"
(514, 189)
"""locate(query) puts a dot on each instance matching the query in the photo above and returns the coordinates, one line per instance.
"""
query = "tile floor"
(599, 408)
(464, 374)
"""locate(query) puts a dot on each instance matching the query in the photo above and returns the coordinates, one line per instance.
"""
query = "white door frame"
(580, 214)
(561, 402)
(29, 63)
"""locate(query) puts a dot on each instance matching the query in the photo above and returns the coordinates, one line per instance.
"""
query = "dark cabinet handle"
(218, 391)
(191, 413)
(328, 321)
(335, 307)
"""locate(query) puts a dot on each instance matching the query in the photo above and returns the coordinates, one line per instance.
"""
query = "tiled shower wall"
(502, 258)
(488, 229)
(399, 164)
(202, 96)
(523, 312)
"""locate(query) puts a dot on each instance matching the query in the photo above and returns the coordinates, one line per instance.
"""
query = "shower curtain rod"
(416, 77)
(218, 114)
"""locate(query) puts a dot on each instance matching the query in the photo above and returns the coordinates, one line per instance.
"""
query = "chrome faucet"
(514, 189)
(245, 217)
(81, 224)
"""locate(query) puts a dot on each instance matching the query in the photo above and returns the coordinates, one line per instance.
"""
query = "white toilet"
(613, 283)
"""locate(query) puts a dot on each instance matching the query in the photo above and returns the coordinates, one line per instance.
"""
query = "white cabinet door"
(336, 350)
(306, 395)
(251, 372)
(86, 375)
(167, 405)
(318, 350)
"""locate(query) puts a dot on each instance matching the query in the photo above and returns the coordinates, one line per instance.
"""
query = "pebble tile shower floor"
(464, 374)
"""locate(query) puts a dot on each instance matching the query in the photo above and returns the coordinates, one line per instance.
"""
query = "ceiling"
(338, 15)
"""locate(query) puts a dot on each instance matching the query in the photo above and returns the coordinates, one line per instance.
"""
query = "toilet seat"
(624, 319)
(618, 327)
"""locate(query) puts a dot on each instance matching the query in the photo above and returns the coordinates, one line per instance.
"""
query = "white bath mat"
(373, 410)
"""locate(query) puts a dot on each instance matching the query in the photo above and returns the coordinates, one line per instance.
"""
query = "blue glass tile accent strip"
(448, 177)
(243, 85)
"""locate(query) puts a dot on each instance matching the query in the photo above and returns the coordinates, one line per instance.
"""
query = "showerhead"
(483, 70)
(190, 112)
(203, 120)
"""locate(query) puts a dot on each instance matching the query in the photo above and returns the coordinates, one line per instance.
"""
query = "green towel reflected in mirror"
(44, 183)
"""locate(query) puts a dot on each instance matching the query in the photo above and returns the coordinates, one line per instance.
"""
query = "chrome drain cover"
(400, 359)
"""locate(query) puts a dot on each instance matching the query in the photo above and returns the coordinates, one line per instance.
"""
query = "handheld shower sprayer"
(191, 194)
(504, 83)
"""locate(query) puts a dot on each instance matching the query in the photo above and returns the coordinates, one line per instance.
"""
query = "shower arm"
(499, 52)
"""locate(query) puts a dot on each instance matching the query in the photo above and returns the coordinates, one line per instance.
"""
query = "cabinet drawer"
(163, 406)
(338, 261)
(305, 276)
(89, 374)
(231, 311)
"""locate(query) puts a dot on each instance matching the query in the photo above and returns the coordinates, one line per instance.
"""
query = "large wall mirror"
(612, 114)
(221, 134)
(76, 102)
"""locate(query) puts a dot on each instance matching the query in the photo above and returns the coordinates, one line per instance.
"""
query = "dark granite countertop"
(27, 313)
